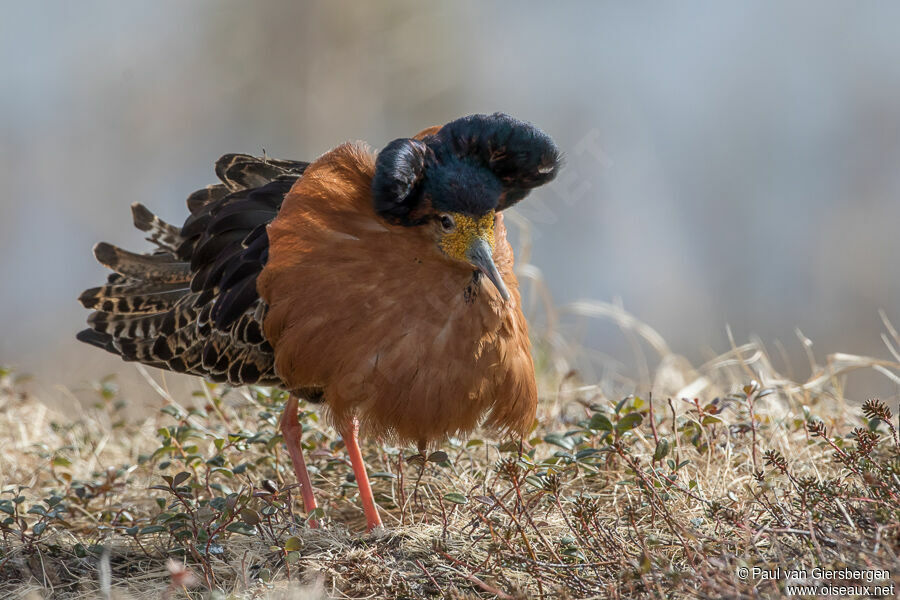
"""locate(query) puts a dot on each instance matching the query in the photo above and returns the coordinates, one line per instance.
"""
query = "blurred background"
(727, 163)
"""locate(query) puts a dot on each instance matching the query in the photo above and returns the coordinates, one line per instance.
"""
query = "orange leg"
(351, 440)
(293, 432)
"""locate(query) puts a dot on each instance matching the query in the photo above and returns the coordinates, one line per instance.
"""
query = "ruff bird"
(380, 285)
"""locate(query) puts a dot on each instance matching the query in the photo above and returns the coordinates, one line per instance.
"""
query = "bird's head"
(454, 181)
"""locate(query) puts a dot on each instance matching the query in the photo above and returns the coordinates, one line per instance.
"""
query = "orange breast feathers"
(383, 321)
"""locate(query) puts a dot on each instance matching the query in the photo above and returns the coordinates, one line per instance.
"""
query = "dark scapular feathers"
(191, 305)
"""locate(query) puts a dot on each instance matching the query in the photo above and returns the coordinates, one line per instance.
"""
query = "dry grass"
(729, 465)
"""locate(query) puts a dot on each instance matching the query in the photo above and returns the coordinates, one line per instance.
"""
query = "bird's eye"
(447, 223)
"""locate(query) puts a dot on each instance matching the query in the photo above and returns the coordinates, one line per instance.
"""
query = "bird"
(379, 285)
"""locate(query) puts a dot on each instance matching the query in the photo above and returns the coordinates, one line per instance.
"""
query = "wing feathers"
(200, 198)
(191, 306)
(145, 267)
(166, 237)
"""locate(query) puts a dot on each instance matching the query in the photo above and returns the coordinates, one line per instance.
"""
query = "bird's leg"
(351, 440)
(293, 431)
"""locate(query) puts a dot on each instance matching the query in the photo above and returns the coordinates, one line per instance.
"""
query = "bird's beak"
(479, 255)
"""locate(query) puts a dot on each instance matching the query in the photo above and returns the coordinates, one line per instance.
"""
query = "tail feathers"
(166, 237)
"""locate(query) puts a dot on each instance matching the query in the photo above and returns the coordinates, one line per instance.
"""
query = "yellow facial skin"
(456, 243)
